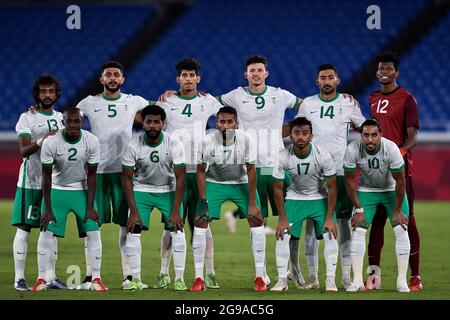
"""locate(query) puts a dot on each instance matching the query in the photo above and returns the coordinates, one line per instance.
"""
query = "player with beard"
(111, 115)
(32, 129)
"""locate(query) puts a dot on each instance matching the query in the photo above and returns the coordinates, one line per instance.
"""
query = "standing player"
(159, 181)
(396, 110)
(312, 194)
(187, 115)
(32, 129)
(382, 183)
(331, 115)
(226, 171)
(111, 116)
(66, 157)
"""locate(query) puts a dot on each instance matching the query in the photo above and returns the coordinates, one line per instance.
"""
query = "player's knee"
(255, 222)
(137, 229)
(24, 227)
(201, 222)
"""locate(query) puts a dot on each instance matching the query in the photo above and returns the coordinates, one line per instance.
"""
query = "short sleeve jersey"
(154, 164)
(35, 125)
(112, 122)
(375, 168)
(70, 159)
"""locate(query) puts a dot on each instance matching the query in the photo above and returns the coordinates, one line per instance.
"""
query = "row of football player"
(111, 116)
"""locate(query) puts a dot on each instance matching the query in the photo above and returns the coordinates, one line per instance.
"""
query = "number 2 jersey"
(35, 125)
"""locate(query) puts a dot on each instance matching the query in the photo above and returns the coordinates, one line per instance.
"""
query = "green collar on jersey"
(47, 113)
(331, 100)
(257, 94)
(302, 157)
(111, 99)
(154, 145)
(72, 142)
(179, 95)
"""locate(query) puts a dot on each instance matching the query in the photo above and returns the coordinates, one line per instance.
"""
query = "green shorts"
(370, 201)
(218, 193)
(27, 207)
(146, 202)
(109, 191)
(344, 206)
(65, 201)
(190, 197)
(264, 187)
(298, 211)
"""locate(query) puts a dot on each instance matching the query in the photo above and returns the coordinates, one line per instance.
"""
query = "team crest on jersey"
(202, 108)
(274, 100)
(126, 108)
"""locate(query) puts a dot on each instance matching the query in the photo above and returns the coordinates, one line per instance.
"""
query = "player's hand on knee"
(175, 218)
(399, 218)
(358, 219)
(133, 220)
(45, 220)
(331, 227)
(282, 228)
(91, 214)
(254, 216)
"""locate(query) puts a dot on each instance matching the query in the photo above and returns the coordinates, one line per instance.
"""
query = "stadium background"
(149, 37)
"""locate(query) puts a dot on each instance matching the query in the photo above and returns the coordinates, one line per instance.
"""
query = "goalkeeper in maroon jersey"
(396, 110)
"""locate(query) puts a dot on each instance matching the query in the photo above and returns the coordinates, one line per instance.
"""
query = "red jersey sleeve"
(411, 112)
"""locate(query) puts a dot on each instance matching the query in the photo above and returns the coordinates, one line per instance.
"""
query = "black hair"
(229, 110)
(72, 109)
(300, 121)
(371, 122)
(188, 64)
(154, 110)
(112, 64)
(327, 67)
(389, 57)
(46, 79)
(256, 59)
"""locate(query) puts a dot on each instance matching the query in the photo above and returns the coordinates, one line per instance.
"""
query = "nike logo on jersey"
(97, 110)
(245, 101)
(59, 154)
(173, 109)
(311, 112)
(41, 125)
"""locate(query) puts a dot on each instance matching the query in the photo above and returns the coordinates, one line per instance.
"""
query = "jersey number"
(328, 113)
(260, 102)
(382, 105)
(52, 125)
(112, 110)
(187, 110)
(154, 156)
(72, 156)
(299, 171)
(374, 163)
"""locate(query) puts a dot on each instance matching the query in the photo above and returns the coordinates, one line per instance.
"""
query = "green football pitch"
(233, 263)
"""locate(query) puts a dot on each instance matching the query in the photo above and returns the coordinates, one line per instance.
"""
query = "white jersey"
(308, 174)
(186, 120)
(112, 122)
(375, 168)
(154, 162)
(35, 125)
(331, 121)
(70, 159)
(227, 161)
(262, 115)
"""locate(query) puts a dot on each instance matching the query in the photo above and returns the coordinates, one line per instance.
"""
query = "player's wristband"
(359, 210)
(39, 142)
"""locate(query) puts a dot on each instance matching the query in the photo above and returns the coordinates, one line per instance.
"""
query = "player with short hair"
(111, 115)
(69, 164)
(397, 111)
(332, 116)
(32, 129)
(226, 171)
(311, 195)
(381, 183)
(159, 160)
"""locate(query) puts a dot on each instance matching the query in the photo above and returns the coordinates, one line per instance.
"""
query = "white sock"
(166, 251)
(311, 249)
(53, 257)
(209, 252)
(330, 253)
(293, 255)
(259, 249)
(122, 244)
(94, 249)
(198, 250)
(45, 250)
(402, 249)
(345, 242)
(179, 253)
(20, 249)
(88, 260)
(282, 255)
(358, 250)
(133, 252)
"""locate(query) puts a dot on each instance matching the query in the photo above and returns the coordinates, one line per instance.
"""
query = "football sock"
(293, 254)
(133, 252)
(20, 249)
(282, 255)
(358, 250)
(259, 249)
(45, 250)
(179, 253)
(402, 249)
(94, 249)
(198, 250)
(166, 251)
(345, 241)
(209, 252)
(330, 254)
(123, 255)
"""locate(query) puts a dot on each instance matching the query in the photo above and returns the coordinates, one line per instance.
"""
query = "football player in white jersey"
(32, 129)
(69, 164)
(159, 160)
(111, 115)
(332, 115)
(187, 115)
(381, 183)
(311, 194)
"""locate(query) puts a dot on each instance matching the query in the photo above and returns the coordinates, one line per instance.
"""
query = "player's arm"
(200, 178)
(332, 197)
(27, 148)
(398, 217)
(127, 183)
(410, 140)
(91, 185)
(46, 190)
(359, 216)
(283, 224)
(175, 217)
(412, 124)
(253, 211)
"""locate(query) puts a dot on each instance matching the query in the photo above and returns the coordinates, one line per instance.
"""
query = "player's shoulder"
(285, 153)
(319, 150)
(276, 91)
(375, 93)
(89, 135)
(309, 100)
(355, 144)
(389, 144)
(405, 93)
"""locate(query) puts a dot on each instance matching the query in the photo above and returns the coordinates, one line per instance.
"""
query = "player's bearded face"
(226, 123)
(112, 79)
(371, 138)
(301, 136)
(256, 74)
(188, 80)
(47, 95)
(153, 126)
(327, 81)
